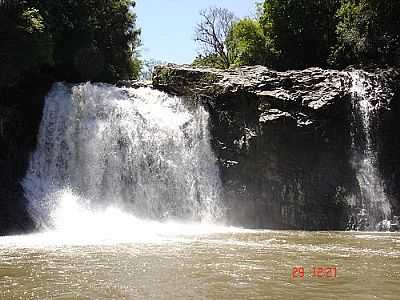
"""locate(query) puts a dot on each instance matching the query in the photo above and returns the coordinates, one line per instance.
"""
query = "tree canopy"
(249, 45)
(25, 42)
(211, 33)
(291, 34)
(368, 31)
(302, 31)
(76, 39)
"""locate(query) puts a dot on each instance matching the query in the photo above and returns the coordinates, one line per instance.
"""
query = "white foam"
(75, 224)
(108, 154)
(367, 98)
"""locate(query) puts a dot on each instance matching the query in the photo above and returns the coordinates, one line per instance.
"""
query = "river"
(201, 263)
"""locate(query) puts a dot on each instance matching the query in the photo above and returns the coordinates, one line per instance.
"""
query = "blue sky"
(168, 25)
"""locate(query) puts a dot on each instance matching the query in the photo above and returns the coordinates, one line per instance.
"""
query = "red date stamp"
(315, 272)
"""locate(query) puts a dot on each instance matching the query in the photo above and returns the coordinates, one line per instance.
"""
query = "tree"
(290, 34)
(25, 41)
(210, 60)
(73, 40)
(367, 31)
(94, 39)
(353, 30)
(248, 44)
(302, 31)
(212, 32)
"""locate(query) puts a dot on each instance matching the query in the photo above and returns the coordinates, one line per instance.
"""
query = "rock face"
(282, 139)
(23, 106)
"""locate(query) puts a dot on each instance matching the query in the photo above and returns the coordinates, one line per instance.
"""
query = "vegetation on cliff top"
(298, 34)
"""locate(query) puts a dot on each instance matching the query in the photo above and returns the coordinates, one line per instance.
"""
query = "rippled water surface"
(227, 264)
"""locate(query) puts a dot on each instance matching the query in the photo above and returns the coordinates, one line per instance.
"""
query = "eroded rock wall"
(282, 139)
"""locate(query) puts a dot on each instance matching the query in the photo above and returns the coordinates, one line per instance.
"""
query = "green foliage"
(76, 40)
(368, 31)
(211, 34)
(248, 44)
(291, 34)
(104, 29)
(209, 60)
(135, 68)
(25, 42)
(303, 31)
(353, 32)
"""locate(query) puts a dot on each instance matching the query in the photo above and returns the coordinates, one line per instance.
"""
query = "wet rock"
(287, 134)
(134, 83)
(383, 225)
(389, 225)
(395, 224)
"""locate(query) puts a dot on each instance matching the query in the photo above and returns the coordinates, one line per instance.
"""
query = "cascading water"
(134, 150)
(368, 95)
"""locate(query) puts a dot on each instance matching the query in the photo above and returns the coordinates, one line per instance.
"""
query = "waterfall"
(369, 95)
(138, 150)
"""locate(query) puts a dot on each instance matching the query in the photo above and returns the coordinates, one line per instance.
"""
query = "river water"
(204, 262)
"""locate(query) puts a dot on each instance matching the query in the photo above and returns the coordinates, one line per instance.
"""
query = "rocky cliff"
(283, 140)
(20, 115)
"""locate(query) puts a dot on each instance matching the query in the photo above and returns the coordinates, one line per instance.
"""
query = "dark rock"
(389, 225)
(133, 83)
(17, 141)
(282, 139)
